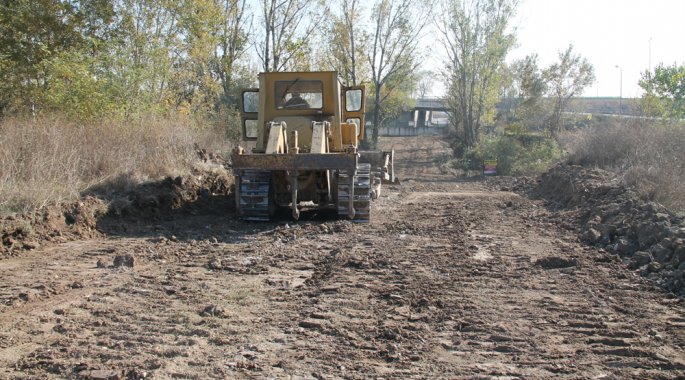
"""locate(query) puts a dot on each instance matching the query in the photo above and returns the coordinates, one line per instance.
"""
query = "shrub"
(648, 154)
(52, 159)
(517, 151)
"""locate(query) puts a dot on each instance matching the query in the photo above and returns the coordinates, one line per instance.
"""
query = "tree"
(345, 43)
(182, 55)
(74, 91)
(477, 41)
(664, 91)
(397, 27)
(528, 81)
(146, 53)
(232, 45)
(425, 81)
(34, 32)
(194, 84)
(527, 91)
(288, 28)
(566, 79)
(98, 58)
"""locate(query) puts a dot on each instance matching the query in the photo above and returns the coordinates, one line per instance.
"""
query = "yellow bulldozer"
(305, 129)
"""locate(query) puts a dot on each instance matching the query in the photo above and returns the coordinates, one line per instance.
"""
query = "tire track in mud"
(536, 305)
(526, 302)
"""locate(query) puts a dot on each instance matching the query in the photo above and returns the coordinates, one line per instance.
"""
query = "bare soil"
(451, 279)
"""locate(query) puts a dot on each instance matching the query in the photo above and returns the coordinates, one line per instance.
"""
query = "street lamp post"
(650, 56)
(620, 94)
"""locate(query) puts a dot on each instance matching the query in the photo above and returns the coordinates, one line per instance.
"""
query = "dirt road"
(451, 279)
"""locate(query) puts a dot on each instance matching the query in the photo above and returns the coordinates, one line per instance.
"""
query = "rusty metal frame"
(291, 162)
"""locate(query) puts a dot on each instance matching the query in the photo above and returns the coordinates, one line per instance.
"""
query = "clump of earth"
(648, 237)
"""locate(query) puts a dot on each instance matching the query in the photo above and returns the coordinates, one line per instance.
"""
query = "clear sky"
(606, 32)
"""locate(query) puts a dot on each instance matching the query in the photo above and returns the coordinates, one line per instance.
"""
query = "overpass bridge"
(429, 116)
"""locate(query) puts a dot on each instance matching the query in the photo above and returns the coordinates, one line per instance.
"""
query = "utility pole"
(650, 56)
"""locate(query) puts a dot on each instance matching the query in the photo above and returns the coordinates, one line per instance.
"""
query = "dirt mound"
(647, 236)
(519, 184)
(555, 262)
(571, 186)
(55, 223)
(81, 219)
(154, 199)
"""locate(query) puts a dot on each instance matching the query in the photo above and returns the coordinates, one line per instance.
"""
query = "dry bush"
(648, 154)
(50, 159)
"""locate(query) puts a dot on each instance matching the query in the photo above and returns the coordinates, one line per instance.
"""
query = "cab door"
(354, 104)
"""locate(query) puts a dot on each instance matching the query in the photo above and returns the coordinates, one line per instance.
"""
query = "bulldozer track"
(361, 193)
(254, 195)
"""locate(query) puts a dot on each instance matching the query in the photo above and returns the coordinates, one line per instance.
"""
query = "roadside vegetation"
(647, 154)
(532, 129)
(521, 136)
(517, 152)
(52, 159)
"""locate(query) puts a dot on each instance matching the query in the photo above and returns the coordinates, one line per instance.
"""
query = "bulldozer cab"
(300, 99)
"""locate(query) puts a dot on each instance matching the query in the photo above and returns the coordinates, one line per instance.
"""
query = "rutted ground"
(451, 279)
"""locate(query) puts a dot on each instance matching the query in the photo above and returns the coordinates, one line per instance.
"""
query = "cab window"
(250, 101)
(299, 94)
(353, 100)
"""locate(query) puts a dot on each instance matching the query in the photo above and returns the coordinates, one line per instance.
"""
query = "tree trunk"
(376, 117)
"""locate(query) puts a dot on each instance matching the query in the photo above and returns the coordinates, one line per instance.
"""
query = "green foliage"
(529, 81)
(525, 95)
(92, 58)
(664, 91)
(518, 152)
(300, 54)
(477, 41)
(74, 91)
(396, 98)
(32, 33)
(566, 78)
(345, 44)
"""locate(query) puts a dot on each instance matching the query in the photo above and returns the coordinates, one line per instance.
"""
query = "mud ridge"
(207, 188)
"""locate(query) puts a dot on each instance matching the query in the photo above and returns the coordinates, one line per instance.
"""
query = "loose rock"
(124, 261)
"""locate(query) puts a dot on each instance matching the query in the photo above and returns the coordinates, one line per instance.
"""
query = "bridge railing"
(411, 131)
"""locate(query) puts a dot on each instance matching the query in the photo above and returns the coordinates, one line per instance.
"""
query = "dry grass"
(50, 159)
(648, 154)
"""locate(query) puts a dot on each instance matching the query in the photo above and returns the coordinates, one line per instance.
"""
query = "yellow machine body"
(306, 127)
